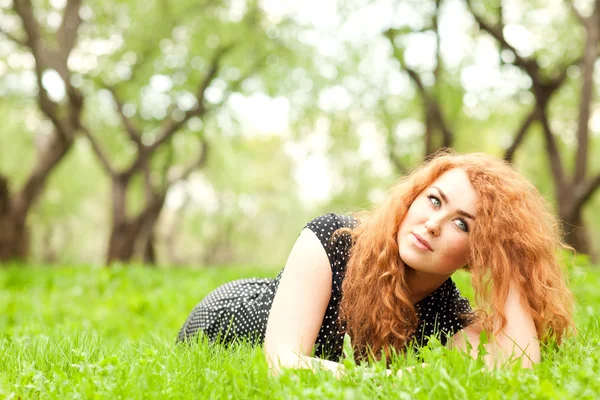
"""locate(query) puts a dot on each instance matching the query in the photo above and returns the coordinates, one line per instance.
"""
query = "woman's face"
(433, 238)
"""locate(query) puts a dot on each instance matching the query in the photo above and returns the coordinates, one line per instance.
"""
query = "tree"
(126, 230)
(51, 53)
(438, 112)
(572, 193)
(438, 133)
(226, 52)
(205, 50)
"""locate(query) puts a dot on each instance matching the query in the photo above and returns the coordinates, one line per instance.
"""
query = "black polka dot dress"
(240, 309)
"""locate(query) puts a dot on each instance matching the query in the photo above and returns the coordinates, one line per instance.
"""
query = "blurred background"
(208, 132)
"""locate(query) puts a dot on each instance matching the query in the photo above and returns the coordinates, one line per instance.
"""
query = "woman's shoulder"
(324, 227)
(332, 221)
(336, 246)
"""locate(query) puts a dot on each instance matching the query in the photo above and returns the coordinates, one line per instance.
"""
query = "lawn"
(109, 333)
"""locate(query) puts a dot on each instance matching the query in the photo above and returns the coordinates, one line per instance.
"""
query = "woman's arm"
(299, 306)
(517, 339)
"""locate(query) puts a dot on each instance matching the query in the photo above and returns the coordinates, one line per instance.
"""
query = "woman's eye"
(435, 201)
(462, 225)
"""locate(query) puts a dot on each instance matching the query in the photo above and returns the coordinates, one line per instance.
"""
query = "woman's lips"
(421, 243)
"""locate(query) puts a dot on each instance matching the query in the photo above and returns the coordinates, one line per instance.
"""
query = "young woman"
(384, 277)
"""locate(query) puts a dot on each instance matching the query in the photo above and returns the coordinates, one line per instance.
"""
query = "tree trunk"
(576, 235)
(131, 236)
(122, 232)
(14, 239)
(14, 207)
(131, 239)
(149, 256)
(147, 235)
(429, 129)
(122, 242)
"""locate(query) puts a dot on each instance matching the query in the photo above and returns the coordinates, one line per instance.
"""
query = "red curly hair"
(516, 237)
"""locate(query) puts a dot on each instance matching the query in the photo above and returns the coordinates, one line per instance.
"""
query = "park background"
(207, 133)
(201, 136)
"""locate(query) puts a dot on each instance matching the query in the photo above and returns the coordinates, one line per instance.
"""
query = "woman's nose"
(432, 226)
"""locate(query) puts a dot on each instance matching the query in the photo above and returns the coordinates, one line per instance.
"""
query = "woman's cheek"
(456, 255)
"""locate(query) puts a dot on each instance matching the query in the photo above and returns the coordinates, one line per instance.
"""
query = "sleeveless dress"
(240, 309)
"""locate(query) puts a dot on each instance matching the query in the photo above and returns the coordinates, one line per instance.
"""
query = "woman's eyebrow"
(461, 212)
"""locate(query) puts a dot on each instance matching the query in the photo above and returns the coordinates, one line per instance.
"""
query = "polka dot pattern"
(240, 309)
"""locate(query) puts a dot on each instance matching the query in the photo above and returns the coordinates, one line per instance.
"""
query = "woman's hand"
(402, 371)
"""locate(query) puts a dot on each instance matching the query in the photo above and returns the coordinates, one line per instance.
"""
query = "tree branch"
(414, 76)
(166, 165)
(542, 89)
(528, 64)
(30, 24)
(44, 57)
(508, 155)
(172, 126)
(590, 54)
(433, 114)
(447, 134)
(134, 134)
(391, 148)
(66, 34)
(49, 156)
(10, 36)
(195, 165)
(151, 211)
(236, 85)
(495, 31)
(501, 13)
(555, 161)
(42, 62)
(391, 35)
(584, 190)
(49, 107)
(212, 72)
(147, 176)
(438, 56)
(98, 152)
(559, 79)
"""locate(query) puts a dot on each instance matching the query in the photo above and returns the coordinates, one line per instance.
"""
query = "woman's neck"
(422, 284)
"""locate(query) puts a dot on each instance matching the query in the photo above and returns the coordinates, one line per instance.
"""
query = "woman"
(384, 277)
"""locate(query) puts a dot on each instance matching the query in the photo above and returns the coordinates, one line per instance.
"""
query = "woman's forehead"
(456, 187)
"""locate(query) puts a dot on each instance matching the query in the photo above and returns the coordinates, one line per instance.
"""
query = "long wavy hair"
(516, 237)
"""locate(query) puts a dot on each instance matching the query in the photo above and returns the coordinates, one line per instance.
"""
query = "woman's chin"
(411, 260)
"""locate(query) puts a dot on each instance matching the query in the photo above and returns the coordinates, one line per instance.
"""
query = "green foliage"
(130, 44)
(109, 333)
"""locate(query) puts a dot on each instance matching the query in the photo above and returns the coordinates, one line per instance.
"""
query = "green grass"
(100, 333)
